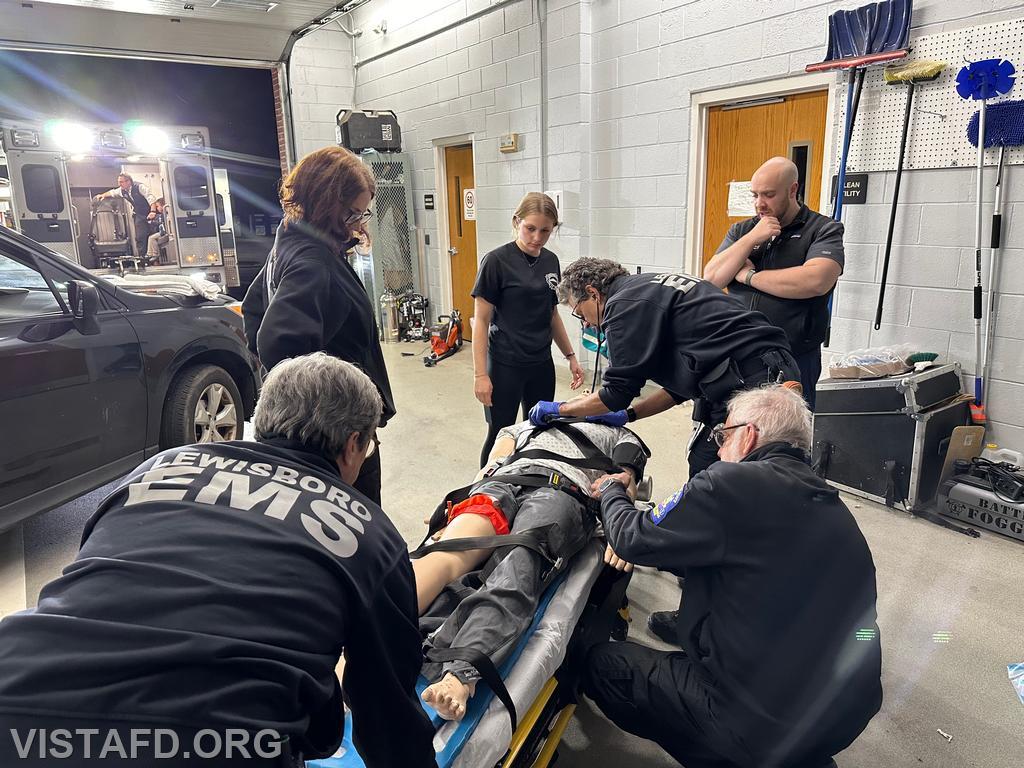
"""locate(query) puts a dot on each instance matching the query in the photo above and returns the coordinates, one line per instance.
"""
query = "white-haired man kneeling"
(211, 599)
(781, 661)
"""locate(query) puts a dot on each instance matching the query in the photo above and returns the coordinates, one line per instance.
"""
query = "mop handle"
(997, 208)
(978, 361)
(993, 270)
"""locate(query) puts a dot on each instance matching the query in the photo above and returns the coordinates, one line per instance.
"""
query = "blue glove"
(543, 412)
(613, 419)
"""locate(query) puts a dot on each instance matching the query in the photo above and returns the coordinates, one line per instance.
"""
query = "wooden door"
(741, 138)
(458, 163)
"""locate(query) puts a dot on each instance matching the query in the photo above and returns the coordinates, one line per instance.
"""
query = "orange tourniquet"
(479, 504)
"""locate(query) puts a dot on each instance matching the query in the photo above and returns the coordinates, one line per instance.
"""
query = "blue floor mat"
(347, 757)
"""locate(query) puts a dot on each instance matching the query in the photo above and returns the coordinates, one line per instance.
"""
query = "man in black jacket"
(678, 331)
(781, 662)
(213, 594)
(784, 262)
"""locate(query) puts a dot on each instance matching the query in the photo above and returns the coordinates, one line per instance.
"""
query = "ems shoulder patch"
(552, 279)
(661, 511)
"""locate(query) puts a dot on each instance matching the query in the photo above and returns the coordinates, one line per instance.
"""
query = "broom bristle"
(913, 71)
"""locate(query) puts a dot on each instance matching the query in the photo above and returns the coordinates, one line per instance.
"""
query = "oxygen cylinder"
(389, 318)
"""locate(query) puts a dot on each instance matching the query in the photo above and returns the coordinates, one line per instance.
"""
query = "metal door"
(741, 136)
(76, 400)
(195, 215)
(42, 200)
(226, 226)
(458, 163)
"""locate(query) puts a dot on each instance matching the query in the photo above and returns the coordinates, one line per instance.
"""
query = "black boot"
(663, 626)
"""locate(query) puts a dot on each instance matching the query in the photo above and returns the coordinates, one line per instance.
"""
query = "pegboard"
(938, 123)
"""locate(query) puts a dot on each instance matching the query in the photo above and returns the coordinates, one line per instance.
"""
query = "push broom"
(911, 73)
(1005, 128)
(981, 80)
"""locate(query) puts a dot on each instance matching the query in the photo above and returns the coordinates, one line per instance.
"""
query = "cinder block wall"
(322, 82)
(620, 75)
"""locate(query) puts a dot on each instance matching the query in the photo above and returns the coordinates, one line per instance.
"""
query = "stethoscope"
(600, 343)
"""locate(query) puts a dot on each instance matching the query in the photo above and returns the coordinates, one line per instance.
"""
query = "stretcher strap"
(439, 519)
(533, 539)
(601, 462)
(482, 664)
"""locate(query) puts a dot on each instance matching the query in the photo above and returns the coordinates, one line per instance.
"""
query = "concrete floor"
(930, 580)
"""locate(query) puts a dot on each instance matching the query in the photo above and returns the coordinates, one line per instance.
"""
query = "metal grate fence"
(393, 264)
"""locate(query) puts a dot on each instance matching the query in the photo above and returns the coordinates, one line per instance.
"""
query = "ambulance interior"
(105, 230)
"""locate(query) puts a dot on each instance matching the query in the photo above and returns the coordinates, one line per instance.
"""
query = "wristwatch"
(750, 276)
(608, 484)
(630, 414)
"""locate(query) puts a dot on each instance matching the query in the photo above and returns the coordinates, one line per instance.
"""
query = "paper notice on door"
(469, 205)
(740, 201)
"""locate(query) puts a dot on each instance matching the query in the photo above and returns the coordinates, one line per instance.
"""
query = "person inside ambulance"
(781, 661)
(158, 235)
(140, 200)
(536, 485)
(217, 587)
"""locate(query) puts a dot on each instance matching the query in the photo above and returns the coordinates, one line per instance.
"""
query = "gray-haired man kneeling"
(213, 595)
(781, 660)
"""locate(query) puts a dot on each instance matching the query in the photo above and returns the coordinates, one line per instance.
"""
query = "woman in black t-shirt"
(514, 300)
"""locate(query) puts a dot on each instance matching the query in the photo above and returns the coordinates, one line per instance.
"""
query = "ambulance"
(57, 168)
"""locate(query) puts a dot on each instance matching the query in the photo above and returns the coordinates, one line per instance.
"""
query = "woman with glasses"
(308, 298)
(515, 319)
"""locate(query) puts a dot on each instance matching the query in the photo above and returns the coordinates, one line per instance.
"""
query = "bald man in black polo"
(784, 262)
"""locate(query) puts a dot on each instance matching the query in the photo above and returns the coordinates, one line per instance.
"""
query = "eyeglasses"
(719, 430)
(356, 217)
(576, 310)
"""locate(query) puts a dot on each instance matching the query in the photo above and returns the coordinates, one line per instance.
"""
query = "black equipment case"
(885, 439)
(360, 130)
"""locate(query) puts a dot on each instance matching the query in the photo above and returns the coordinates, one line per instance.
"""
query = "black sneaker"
(663, 626)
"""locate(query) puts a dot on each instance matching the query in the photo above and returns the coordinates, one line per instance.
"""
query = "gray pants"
(490, 609)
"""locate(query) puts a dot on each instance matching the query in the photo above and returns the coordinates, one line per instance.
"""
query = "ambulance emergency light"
(150, 140)
(71, 137)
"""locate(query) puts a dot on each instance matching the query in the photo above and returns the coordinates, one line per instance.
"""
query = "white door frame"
(700, 103)
(441, 209)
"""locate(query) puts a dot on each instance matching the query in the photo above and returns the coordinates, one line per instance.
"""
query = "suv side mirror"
(85, 304)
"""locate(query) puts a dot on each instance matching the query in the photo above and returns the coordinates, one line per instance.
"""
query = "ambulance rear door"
(42, 199)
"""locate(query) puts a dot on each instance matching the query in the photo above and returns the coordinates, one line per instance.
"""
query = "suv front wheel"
(203, 405)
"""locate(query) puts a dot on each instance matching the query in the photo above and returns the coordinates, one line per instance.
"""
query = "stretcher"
(583, 606)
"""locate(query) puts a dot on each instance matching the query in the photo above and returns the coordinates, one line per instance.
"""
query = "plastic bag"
(870, 363)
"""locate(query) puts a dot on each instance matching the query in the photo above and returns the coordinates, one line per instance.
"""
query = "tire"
(186, 417)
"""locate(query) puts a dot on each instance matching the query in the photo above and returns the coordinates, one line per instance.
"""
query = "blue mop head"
(1004, 125)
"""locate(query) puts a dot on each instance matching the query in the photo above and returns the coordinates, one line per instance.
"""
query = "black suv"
(96, 378)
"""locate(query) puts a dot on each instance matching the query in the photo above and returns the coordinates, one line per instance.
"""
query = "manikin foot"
(448, 696)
